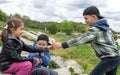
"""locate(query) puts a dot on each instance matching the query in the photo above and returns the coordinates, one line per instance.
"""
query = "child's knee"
(27, 65)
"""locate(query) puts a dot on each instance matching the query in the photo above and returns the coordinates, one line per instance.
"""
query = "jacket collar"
(12, 37)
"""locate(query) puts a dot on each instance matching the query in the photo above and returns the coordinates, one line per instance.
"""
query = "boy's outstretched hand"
(57, 45)
(50, 47)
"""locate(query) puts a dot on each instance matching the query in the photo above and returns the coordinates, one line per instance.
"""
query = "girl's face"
(90, 19)
(17, 32)
(41, 43)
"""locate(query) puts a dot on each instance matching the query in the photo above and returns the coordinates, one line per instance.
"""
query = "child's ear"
(12, 30)
(95, 17)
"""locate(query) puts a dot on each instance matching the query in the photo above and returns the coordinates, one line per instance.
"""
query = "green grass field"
(83, 54)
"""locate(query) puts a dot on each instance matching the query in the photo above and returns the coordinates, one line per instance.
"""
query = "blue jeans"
(107, 66)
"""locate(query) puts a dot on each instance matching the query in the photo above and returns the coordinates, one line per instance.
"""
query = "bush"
(82, 28)
(0, 43)
(67, 27)
(53, 65)
(2, 24)
(3, 16)
(72, 71)
(52, 28)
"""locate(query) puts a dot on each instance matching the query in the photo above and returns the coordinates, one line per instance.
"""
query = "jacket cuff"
(65, 45)
(32, 60)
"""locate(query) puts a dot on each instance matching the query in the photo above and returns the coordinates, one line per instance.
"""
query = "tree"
(3, 16)
(67, 27)
(17, 16)
(52, 27)
(82, 28)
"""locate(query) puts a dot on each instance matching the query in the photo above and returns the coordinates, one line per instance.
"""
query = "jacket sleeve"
(85, 38)
(30, 48)
(33, 55)
(10, 51)
(46, 59)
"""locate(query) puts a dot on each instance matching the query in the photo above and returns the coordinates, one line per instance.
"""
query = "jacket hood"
(102, 24)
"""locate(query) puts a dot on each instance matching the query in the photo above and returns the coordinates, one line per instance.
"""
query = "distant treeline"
(65, 26)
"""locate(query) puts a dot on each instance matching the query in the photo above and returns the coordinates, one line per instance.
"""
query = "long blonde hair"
(11, 23)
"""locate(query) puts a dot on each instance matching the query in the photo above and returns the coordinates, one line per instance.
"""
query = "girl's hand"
(50, 47)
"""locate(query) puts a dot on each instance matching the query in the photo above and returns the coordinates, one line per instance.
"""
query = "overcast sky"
(59, 10)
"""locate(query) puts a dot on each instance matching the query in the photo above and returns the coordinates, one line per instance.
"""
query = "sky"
(59, 10)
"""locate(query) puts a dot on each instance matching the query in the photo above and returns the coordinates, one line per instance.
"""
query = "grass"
(53, 65)
(83, 54)
(33, 40)
(35, 30)
(72, 71)
(0, 43)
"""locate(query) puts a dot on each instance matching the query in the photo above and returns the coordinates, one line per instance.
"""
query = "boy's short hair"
(43, 37)
(92, 10)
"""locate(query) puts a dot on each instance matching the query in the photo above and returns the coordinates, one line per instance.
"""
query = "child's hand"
(42, 53)
(40, 61)
(50, 47)
(37, 61)
(56, 45)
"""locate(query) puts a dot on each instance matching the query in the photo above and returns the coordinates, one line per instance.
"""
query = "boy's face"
(41, 43)
(90, 19)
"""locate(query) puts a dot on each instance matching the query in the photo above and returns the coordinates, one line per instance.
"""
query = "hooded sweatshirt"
(102, 24)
